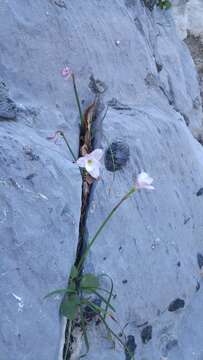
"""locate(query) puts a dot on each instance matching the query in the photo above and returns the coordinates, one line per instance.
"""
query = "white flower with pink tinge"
(144, 181)
(91, 162)
(66, 72)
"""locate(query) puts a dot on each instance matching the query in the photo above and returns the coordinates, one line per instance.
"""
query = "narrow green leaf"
(74, 272)
(110, 295)
(59, 291)
(96, 308)
(104, 300)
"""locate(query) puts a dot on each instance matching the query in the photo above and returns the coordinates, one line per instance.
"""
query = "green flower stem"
(91, 242)
(67, 143)
(77, 100)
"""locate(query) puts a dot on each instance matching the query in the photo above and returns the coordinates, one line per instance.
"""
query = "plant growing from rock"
(164, 4)
(84, 298)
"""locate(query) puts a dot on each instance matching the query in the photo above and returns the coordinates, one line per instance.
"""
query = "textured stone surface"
(7, 106)
(40, 194)
(150, 246)
(146, 75)
(188, 17)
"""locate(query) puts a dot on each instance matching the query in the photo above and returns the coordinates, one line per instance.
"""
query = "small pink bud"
(66, 72)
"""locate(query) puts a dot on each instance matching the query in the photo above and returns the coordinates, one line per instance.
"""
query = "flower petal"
(94, 172)
(93, 168)
(81, 161)
(144, 181)
(144, 177)
(97, 154)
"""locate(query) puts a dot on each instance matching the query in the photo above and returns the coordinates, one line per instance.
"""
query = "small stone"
(146, 334)
(200, 260)
(124, 281)
(200, 192)
(176, 305)
(97, 86)
(150, 4)
(116, 156)
(159, 67)
(197, 286)
(130, 347)
(117, 42)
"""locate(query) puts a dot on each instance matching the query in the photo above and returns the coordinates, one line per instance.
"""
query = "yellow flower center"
(89, 162)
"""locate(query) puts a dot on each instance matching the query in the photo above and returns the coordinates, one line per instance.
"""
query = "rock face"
(131, 54)
(40, 189)
(188, 17)
(150, 246)
(40, 210)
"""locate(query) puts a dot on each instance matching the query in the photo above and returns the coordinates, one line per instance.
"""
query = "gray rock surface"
(150, 246)
(40, 194)
(40, 189)
(148, 77)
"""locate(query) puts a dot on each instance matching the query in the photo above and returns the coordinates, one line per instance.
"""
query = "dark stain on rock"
(60, 3)
(200, 192)
(197, 286)
(124, 281)
(200, 260)
(116, 156)
(130, 347)
(159, 67)
(117, 105)
(30, 176)
(176, 305)
(186, 220)
(150, 4)
(178, 263)
(171, 344)
(8, 109)
(146, 334)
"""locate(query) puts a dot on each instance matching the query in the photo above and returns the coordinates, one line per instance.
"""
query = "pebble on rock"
(116, 156)
(176, 305)
(146, 334)
(200, 260)
(130, 347)
(200, 192)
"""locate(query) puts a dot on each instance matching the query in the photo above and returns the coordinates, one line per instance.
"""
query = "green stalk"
(91, 242)
(67, 143)
(77, 100)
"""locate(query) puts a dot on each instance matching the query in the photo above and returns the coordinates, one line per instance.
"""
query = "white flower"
(144, 181)
(91, 162)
